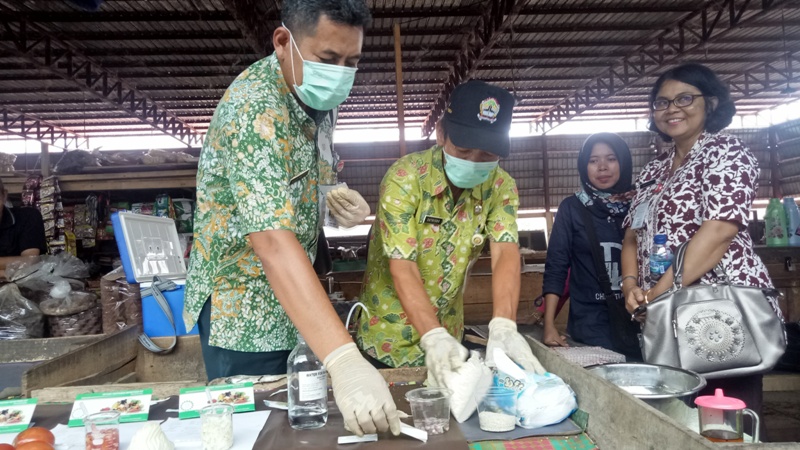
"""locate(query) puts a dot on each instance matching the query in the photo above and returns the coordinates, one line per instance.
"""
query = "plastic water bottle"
(775, 220)
(307, 388)
(792, 221)
(660, 258)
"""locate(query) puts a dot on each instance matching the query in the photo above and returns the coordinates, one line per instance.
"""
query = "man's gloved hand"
(361, 393)
(503, 335)
(347, 206)
(443, 354)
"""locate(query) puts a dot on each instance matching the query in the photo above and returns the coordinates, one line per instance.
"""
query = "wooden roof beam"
(29, 126)
(708, 24)
(90, 77)
(256, 20)
(497, 17)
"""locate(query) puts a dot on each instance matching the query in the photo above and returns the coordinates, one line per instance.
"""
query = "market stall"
(593, 426)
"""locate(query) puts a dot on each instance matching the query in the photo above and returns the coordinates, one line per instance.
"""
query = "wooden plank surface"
(26, 350)
(68, 393)
(183, 363)
(93, 360)
(153, 179)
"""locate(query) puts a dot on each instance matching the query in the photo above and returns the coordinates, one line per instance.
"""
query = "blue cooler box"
(149, 247)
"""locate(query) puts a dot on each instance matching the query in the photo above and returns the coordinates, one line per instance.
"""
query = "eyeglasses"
(680, 101)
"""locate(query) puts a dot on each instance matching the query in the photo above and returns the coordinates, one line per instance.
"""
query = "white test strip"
(355, 439)
(276, 405)
(415, 433)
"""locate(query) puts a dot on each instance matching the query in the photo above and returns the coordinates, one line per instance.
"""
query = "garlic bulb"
(151, 437)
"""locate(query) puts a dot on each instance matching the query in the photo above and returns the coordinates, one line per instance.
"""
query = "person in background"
(700, 190)
(251, 286)
(436, 211)
(605, 168)
(21, 233)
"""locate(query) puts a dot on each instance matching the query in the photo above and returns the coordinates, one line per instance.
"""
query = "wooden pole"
(45, 158)
(398, 66)
(774, 163)
(548, 216)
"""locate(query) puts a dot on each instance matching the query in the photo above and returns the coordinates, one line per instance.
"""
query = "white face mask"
(325, 86)
(467, 174)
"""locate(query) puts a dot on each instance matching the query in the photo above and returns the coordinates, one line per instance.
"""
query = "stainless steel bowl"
(670, 390)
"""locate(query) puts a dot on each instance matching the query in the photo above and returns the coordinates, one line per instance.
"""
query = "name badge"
(433, 220)
(639, 215)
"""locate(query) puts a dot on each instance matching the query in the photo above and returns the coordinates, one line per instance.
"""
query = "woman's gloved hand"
(443, 354)
(347, 206)
(361, 393)
(503, 335)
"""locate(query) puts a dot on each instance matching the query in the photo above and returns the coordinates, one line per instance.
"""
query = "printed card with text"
(193, 399)
(133, 406)
(15, 415)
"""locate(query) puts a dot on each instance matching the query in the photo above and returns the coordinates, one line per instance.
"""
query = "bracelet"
(626, 277)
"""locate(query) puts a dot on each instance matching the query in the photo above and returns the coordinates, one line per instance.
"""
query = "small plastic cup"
(102, 430)
(430, 409)
(216, 426)
(497, 410)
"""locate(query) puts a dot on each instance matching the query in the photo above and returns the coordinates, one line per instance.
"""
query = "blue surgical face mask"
(467, 174)
(325, 86)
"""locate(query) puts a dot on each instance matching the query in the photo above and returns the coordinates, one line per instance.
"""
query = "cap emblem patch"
(488, 110)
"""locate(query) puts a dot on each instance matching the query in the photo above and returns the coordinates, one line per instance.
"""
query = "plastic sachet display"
(541, 399)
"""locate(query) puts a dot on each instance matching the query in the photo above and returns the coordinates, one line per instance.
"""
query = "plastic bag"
(546, 400)
(20, 318)
(22, 268)
(76, 161)
(471, 381)
(541, 399)
(7, 162)
(68, 266)
(73, 303)
(121, 302)
(36, 279)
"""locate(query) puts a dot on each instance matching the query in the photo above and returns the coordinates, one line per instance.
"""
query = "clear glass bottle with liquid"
(660, 258)
(307, 388)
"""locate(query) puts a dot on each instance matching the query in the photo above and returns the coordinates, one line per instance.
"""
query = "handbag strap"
(677, 278)
(594, 245)
(156, 290)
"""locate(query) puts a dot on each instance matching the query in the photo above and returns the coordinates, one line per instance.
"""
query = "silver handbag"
(718, 330)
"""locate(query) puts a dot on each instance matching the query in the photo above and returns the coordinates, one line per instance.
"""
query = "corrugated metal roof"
(184, 53)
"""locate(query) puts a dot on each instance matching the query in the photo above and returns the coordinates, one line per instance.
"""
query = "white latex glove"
(443, 355)
(361, 393)
(503, 335)
(347, 206)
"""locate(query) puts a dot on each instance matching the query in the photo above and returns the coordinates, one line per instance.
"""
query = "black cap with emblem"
(479, 116)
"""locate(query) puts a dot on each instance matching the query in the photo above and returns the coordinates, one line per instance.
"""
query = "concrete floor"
(781, 415)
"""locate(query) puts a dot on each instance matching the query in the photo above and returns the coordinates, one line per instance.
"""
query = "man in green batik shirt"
(437, 209)
(250, 280)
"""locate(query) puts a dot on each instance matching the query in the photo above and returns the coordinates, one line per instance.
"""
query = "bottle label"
(313, 385)
(659, 268)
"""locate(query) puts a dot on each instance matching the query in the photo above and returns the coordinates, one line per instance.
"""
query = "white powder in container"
(496, 422)
(217, 432)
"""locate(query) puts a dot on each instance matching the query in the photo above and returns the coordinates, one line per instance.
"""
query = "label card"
(133, 406)
(15, 415)
(193, 399)
(640, 215)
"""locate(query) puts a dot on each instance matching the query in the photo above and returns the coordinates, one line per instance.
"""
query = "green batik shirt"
(418, 220)
(258, 171)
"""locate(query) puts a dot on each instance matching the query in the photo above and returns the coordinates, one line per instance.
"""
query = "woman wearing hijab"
(605, 167)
